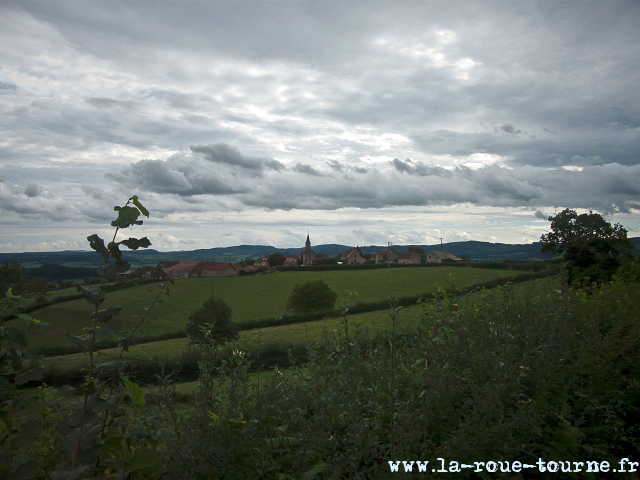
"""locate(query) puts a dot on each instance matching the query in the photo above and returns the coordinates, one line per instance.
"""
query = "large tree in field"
(590, 245)
(311, 297)
(214, 317)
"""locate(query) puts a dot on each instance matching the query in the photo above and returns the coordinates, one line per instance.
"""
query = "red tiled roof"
(210, 266)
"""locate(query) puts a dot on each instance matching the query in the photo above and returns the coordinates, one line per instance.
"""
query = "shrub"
(311, 297)
(214, 319)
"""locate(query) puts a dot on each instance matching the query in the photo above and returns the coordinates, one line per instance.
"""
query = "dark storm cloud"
(223, 153)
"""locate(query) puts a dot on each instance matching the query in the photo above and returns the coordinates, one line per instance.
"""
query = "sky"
(358, 123)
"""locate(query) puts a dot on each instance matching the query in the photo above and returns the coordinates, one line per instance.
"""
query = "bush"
(215, 318)
(311, 297)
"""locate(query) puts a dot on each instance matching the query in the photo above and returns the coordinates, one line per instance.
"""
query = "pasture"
(250, 297)
(303, 333)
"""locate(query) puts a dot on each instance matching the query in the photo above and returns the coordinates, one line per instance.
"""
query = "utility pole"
(389, 245)
(440, 243)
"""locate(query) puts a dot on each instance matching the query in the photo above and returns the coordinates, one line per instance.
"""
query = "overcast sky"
(255, 122)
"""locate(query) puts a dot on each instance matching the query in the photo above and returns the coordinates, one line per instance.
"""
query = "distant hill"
(139, 258)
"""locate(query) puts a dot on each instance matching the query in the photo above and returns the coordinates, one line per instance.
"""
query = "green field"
(172, 350)
(250, 298)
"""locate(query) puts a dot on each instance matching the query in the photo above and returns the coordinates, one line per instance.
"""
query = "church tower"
(308, 256)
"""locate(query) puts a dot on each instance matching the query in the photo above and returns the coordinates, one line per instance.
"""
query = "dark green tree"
(14, 276)
(276, 259)
(215, 317)
(590, 245)
(311, 297)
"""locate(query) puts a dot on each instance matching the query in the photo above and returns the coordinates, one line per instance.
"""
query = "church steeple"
(308, 242)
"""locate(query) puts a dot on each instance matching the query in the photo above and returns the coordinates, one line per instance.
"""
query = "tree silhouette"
(213, 317)
(311, 297)
(590, 245)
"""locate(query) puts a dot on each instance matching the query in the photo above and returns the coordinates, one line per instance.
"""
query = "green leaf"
(116, 443)
(85, 390)
(105, 315)
(135, 243)
(92, 295)
(35, 325)
(127, 216)
(6, 386)
(33, 375)
(143, 210)
(24, 316)
(15, 335)
(96, 243)
(135, 392)
(145, 462)
(29, 431)
(28, 469)
(313, 471)
(84, 341)
(114, 250)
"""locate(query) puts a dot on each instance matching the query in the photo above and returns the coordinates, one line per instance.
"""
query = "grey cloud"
(33, 190)
(579, 160)
(408, 183)
(307, 169)
(360, 170)
(8, 88)
(184, 177)
(508, 128)
(419, 168)
(335, 165)
(102, 102)
(223, 153)
(541, 215)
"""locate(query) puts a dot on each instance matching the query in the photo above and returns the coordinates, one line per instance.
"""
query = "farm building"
(178, 269)
(438, 257)
(409, 257)
(383, 256)
(262, 262)
(213, 269)
(352, 256)
(292, 260)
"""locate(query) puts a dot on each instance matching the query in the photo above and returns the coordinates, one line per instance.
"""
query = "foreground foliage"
(555, 377)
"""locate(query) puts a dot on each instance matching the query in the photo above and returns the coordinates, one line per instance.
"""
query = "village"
(353, 256)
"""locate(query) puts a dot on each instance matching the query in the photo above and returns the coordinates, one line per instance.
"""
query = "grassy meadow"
(303, 333)
(250, 297)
